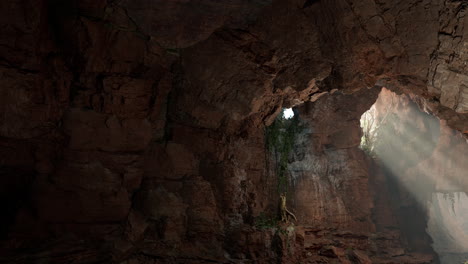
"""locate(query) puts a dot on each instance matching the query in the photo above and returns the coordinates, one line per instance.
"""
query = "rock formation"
(133, 131)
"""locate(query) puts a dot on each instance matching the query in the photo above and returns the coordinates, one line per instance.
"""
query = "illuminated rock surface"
(133, 131)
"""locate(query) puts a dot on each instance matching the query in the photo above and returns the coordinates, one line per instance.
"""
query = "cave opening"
(135, 131)
(288, 113)
(424, 163)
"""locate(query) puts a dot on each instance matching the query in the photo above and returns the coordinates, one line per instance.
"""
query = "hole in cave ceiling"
(288, 113)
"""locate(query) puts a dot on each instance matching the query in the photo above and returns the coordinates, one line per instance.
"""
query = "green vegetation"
(280, 138)
(264, 221)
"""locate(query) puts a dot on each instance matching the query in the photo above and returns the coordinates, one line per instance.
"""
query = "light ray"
(428, 161)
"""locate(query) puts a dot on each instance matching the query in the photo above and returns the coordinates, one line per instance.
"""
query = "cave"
(424, 176)
(264, 131)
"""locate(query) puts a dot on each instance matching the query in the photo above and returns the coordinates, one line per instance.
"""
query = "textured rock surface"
(425, 160)
(343, 199)
(448, 73)
(133, 131)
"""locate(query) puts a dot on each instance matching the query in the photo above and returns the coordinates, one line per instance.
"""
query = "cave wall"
(329, 171)
(125, 124)
(424, 159)
(343, 197)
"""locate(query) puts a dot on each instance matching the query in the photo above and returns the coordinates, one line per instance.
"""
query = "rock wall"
(447, 225)
(344, 198)
(426, 161)
(447, 75)
(129, 134)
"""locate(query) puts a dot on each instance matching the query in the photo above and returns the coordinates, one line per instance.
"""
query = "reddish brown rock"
(133, 131)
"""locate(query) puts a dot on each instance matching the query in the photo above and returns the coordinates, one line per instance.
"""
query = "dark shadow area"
(15, 193)
(309, 3)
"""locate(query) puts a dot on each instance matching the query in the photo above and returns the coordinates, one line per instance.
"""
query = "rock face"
(447, 76)
(427, 166)
(345, 200)
(133, 131)
(447, 226)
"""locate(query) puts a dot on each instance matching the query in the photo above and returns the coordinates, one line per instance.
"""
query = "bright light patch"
(426, 160)
(288, 113)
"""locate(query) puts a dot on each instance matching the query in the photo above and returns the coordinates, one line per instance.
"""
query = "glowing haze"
(428, 161)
